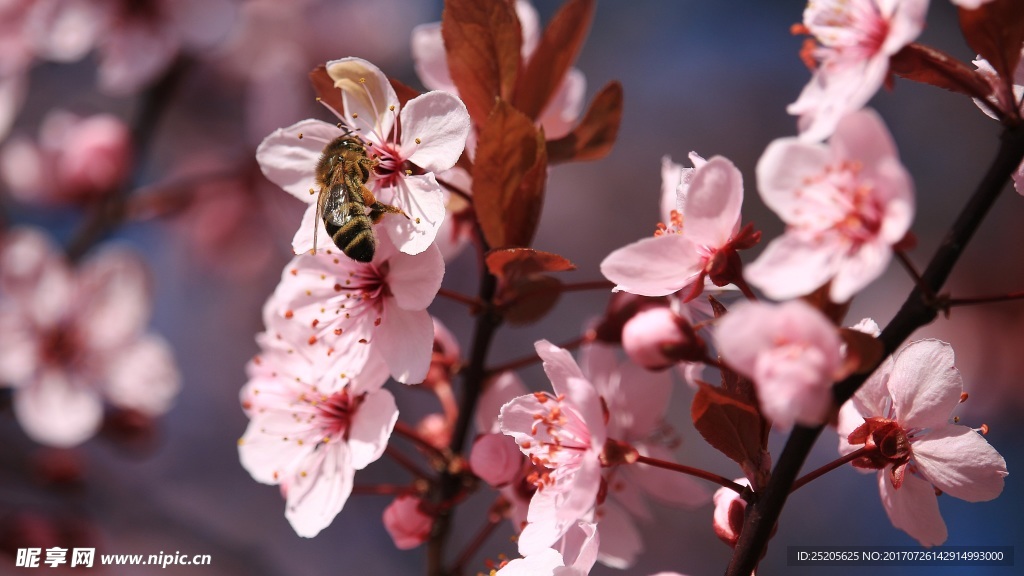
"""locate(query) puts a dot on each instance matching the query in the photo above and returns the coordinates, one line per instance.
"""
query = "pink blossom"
(76, 159)
(729, 509)
(431, 63)
(573, 555)
(519, 490)
(364, 309)
(681, 256)
(563, 434)
(136, 41)
(412, 143)
(903, 413)
(406, 523)
(792, 354)
(845, 204)
(636, 401)
(71, 338)
(857, 39)
(496, 459)
(314, 420)
(659, 338)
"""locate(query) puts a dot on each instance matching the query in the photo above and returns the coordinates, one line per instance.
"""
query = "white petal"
(961, 463)
(422, 200)
(319, 490)
(143, 376)
(713, 203)
(434, 130)
(429, 57)
(655, 266)
(290, 161)
(913, 508)
(115, 297)
(405, 339)
(621, 542)
(415, 280)
(371, 428)
(559, 365)
(791, 267)
(58, 411)
(371, 105)
(924, 384)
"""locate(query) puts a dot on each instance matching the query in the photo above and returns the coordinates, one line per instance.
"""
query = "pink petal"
(115, 298)
(290, 161)
(925, 386)
(584, 398)
(913, 508)
(560, 114)
(906, 22)
(499, 391)
(19, 349)
(423, 202)
(516, 419)
(405, 340)
(859, 269)
(430, 59)
(434, 130)
(559, 366)
(57, 411)
(319, 490)
(713, 203)
(621, 542)
(580, 547)
(790, 267)
(863, 135)
(529, 24)
(782, 171)
(33, 273)
(262, 452)
(302, 242)
(415, 280)
(655, 266)
(370, 101)
(639, 400)
(371, 428)
(960, 462)
(544, 562)
(895, 187)
(143, 376)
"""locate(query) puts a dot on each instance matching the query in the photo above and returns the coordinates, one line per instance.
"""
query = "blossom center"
(887, 442)
(334, 414)
(674, 226)
(855, 29)
(61, 346)
(562, 439)
(841, 201)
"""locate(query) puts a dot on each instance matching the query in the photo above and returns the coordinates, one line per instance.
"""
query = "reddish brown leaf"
(555, 54)
(508, 177)
(930, 66)
(732, 426)
(821, 300)
(325, 90)
(863, 352)
(996, 31)
(717, 307)
(403, 91)
(530, 299)
(482, 39)
(594, 136)
(519, 262)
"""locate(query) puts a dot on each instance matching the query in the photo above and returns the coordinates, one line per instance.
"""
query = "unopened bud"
(434, 429)
(658, 339)
(406, 523)
(496, 459)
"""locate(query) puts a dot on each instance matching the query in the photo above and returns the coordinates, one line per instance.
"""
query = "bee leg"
(379, 209)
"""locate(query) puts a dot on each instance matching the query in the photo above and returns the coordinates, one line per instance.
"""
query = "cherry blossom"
(411, 143)
(729, 509)
(636, 401)
(71, 338)
(136, 40)
(76, 159)
(495, 459)
(431, 63)
(680, 256)
(518, 490)
(379, 306)
(563, 434)
(792, 354)
(845, 204)
(315, 418)
(573, 555)
(902, 415)
(857, 38)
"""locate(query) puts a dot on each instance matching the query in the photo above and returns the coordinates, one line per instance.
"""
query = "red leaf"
(863, 352)
(732, 426)
(325, 90)
(403, 91)
(508, 177)
(529, 300)
(996, 32)
(555, 54)
(518, 262)
(482, 39)
(594, 136)
(930, 66)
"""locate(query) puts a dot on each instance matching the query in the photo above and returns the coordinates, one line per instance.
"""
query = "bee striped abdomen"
(355, 237)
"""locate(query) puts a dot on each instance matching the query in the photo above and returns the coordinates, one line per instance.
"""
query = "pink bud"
(729, 509)
(95, 156)
(435, 429)
(496, 459)
(658, 339)
(406, 523)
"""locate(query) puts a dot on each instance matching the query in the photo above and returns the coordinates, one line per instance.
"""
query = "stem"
(916, 311)
(474, 376)
(406, 431)
(473, 303)
(383, 489)
(592, 285)
(985, 299)
(741, 283)
(703, 474)
(807, 478)
(110, 211)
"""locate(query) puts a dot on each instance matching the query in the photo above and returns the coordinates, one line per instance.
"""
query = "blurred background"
(698, 76)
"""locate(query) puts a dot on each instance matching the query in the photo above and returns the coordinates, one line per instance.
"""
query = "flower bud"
(496, 459)
(95, 156)
(434, 429)
(658, 339)
(406, 523)
(729, 509)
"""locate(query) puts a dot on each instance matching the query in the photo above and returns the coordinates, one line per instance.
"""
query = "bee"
(342, 173)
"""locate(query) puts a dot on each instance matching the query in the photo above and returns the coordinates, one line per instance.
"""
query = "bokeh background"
(704, 76)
